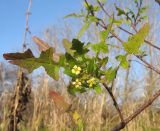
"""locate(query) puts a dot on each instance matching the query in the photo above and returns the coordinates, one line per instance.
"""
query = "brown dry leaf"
(15, 56)
(42, 45)
(59, 101)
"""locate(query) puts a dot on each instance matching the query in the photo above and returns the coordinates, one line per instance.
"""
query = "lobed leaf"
(104, 34)
(98, 89)
(135, 42)
(74, 15)
(100, 47)
(14, 56)
(28, 61)
(103, 61)
(78, 46)
(110, 74)
(59, 101)
(123, 61)
(87, 24)
(43, 46)
(67, 45)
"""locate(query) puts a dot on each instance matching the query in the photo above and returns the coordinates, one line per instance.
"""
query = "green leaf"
(103, 61)
(74, 15)
(83, 29)
(28, 61)
(52, 70)
(73, 90)
(135, 42)
(15, 56)
(70, 60)
(68, 72)
(97, 88)
(110, 74)
(91, 66)
(104, 34)
(100, 47)
(123, 61)
(120, 11)
(143, 10)
(102, 1)
(62, 60)
(78, 46)
(96, 8)
(118, 22)
(91, 19)
(67, 45)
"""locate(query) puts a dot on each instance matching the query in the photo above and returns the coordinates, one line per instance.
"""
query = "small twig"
(27, 25)
(138, 62)
(102, 7)
(149, 65)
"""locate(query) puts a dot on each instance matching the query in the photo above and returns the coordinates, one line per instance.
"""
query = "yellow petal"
(77, 72)
(75, 67)
(73, 71)
(73, 83)
(77, 86)
(90, 85)
(79, 68)
(76, 116)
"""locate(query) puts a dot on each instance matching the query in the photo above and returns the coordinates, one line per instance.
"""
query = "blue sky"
(44, 13)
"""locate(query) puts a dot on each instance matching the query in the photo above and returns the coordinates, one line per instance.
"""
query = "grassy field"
(89, 111)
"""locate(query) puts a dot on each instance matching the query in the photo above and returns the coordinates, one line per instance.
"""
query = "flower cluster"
(76, 70)
(77, 83)
(91, 82)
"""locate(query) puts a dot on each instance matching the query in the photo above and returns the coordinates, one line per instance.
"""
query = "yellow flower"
(77, 83)
(76, 70)
(76, 116)
(91, 82)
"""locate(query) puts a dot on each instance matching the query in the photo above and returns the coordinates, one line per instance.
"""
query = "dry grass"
(96, 111)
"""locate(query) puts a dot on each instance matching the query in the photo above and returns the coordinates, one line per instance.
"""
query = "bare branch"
(27, 25)
(146, 104)
(115, 102)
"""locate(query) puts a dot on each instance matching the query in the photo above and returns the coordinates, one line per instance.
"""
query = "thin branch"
(124, 122)
(149, 65)
(138, 62)
(146, 104)
(107, 14)
(102, 7)
(121, 41)
(115, 102)
(27, 25)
